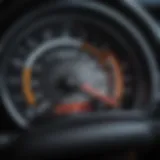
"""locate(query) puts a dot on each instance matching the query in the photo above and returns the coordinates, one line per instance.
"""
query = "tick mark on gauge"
(44, 106)
(18, 98)
(32, 42)
(22, 50)
(35, 83)
(39, 96)
(67, 28)
(14, 81)
(37, 68)
(17, 63)
(48, 34)
(30, 112)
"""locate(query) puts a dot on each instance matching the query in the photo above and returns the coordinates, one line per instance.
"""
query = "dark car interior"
(80, 79)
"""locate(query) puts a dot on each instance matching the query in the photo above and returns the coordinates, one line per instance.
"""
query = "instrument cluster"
(74, 58)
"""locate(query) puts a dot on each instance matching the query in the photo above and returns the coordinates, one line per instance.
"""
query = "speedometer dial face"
(68, 65)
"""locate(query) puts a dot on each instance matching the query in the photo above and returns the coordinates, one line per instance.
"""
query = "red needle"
(95, 93)
(72, 108)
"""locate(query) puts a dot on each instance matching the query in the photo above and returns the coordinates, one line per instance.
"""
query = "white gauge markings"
(14, 80)
(32, 42)
(18, 63)
(48, 34)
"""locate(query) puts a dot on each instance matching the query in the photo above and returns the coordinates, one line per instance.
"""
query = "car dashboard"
(65, 58)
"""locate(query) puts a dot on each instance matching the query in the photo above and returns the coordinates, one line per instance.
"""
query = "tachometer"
(69, 62)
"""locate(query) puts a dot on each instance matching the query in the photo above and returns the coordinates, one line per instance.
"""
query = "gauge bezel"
(97, 10)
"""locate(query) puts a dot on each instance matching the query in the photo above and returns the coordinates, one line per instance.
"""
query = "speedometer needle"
(87, 88)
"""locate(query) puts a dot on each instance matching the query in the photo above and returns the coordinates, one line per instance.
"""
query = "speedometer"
(70, 62)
